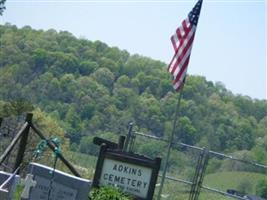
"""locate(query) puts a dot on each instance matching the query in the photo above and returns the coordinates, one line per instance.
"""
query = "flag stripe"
(178, 85)
(184, 42)
(182, 63)
(180, 77)
(183, 68)
(181, 33)
(182, 56)
(184, 25)
(181, 51)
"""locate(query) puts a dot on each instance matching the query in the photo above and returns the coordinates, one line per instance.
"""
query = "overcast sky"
(230, 44)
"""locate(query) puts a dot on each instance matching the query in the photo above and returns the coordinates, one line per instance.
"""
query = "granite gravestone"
(57, 185)
(3, 194)
(7, 185)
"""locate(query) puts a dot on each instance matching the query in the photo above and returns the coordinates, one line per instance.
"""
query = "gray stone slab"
(63, 187)
(3, 194)
(7, 192)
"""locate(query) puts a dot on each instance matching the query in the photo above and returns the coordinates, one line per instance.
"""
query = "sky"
(230, 45)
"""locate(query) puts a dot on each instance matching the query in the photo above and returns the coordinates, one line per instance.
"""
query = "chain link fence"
(223, 176)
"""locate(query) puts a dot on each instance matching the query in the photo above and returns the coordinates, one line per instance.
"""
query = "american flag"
(182, 42)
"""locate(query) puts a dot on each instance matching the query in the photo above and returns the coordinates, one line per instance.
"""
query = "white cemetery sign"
(62, 187)
(128, 177)
(131, 173)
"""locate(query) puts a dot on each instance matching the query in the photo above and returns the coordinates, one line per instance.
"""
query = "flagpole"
(183, 35)
(177, 110)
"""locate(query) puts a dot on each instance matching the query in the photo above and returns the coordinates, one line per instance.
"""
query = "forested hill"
(93, 89)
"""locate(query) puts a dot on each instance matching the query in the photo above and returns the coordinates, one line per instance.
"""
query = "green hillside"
(92, 89)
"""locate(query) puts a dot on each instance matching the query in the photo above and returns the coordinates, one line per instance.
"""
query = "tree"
(93, 88)
(16, 107)
(87, 111)
(2, 6)
(186, 132)
(152, 148)
(124, 98)
(104, 76)
(87, 67)
(87, 146)
(261, 188)
(73, 127)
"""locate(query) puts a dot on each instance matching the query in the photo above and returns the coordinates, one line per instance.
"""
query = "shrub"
(261, 188)
(108, 193)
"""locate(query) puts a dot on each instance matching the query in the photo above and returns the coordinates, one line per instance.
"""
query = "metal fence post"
(129, 137)
(199, 174)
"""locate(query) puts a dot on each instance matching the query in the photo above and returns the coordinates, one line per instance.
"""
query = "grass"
(232, 180)
(83, 160)
(83, 163)
(220, 181)
(18, 192)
